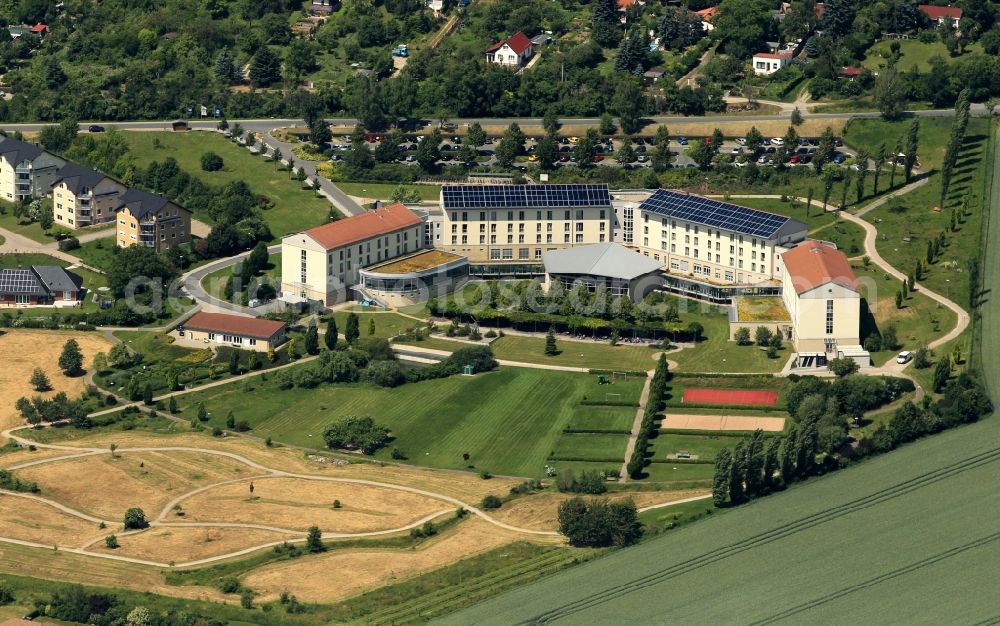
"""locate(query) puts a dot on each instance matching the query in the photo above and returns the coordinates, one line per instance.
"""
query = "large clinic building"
(515, 224)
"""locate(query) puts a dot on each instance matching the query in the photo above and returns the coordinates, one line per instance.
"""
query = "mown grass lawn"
(603, 417)
(382, 191)
(931, 140)
(294, 209)
(508, 421)
(717, 354)
(822, 225)
(913, 53)
(703, 447)
(591, 355)
(590, 447)
(96, 253)
(917, 323)
(387, 324)
(906, 224)
(31, 230)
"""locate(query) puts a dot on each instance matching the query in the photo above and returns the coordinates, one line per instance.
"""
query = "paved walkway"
(19, 244)
(636, 427)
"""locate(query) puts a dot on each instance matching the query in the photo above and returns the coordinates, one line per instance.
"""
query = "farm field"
(591, 355)
(24, 350)
(294, 208)
(433, 422)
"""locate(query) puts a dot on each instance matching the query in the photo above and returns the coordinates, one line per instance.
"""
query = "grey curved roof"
(608, 260)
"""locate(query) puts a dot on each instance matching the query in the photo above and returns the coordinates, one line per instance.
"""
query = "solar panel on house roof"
(20, 281)
(713, 213)
(525, 196)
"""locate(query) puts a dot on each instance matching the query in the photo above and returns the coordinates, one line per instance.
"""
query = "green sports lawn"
(591, 447)
(294, 209)
(591, 355)
(706, 447)
(603, 417)
(508, 420)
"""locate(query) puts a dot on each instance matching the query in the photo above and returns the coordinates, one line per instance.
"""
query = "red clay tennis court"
(730, 396)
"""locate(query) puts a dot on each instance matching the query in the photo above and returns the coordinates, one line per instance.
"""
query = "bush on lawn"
(356, 433)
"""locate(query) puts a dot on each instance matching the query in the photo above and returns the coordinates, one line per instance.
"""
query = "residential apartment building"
(147, 219)
(515, 224)
(704, 243)
(84, 197)
(26, 171)
(322, 263)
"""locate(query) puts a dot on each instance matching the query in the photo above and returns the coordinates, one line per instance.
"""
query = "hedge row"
(594, 431)
(650, 426)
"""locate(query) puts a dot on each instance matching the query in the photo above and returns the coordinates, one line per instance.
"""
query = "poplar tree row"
(650, 424)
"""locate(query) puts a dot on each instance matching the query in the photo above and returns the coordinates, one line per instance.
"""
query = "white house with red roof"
(942, 15)
(765, 63)
(511, 52)
(823, 299)
(323, 263)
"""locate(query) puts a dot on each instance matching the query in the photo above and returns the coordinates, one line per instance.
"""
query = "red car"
(708, 141)
(794, 159)
(563, 158)
(597, 158)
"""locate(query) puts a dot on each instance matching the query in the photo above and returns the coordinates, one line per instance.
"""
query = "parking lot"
(604, 152)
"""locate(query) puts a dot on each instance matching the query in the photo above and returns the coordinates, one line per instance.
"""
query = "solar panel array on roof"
(20, 281)
(525, 196)
(714, 213)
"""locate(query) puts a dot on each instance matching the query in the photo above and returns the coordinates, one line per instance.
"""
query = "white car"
(904, 357)
(762, 160)
(778, 141)
(737, 150)
(741, 141)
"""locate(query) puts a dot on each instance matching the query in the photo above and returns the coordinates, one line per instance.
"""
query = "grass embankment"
(295, 209)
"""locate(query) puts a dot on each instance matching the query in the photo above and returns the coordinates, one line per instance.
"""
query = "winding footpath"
(265, 472)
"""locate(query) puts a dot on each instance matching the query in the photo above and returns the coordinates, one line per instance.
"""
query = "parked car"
(682, 140)
(410, 158)
(762, 160)
(563, 158)
(597, 158)
(778, 141)
(532, 158)
(639, 149)
(447, 147)
(642, 158)
(94, 128)
(794, 159)
(740, 141)
(837, 141)
(574, 140)
(736, 150)
(445, 157)
(904, 357)
(771, 150)
(838, 159)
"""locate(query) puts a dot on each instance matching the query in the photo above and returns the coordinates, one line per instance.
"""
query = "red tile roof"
(625, 4)
(820, 9)
(708, 14)
(936, 13)
(363, 226)
(773, 55)
(234, 325)
(518, 43)
(850, 72)
(38, 28)
(812, 264)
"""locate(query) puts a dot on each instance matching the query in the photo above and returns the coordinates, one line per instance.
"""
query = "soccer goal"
(619, 375)
(611, 398)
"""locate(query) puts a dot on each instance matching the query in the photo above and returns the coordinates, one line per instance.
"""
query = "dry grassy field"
(312, 579)
(107, 487)
(30, 520)
(24, 350)
(166, 543)
(297, 504)
(539, 512)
